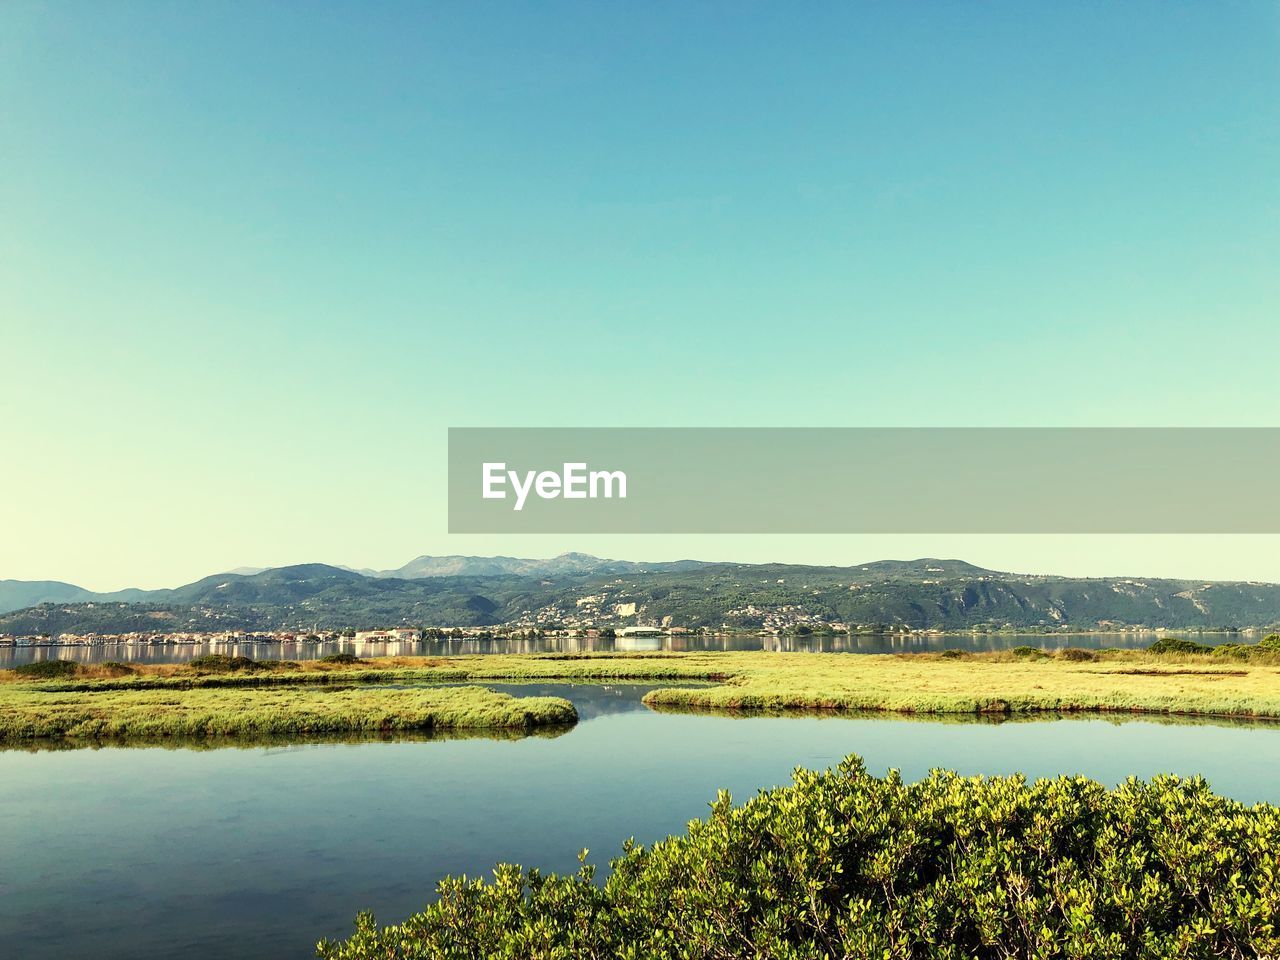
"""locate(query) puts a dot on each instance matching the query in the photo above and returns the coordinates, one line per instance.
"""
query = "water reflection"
(969, 719)
(11, 656)
(277, 740)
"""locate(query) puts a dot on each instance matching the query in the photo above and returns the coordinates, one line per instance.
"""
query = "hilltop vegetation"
(920, 595)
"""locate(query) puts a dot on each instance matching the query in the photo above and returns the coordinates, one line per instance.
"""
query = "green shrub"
(47, 669)
(846, 864)
(221, 663)
(341, 658)
(1025, 651)
(212, 662)
(954, 654)
(1077, 655)
(1270, 643)
(1178, 645)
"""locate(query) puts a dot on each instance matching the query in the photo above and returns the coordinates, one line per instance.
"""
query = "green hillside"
(920, 594)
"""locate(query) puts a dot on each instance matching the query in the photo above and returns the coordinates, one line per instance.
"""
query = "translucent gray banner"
(863, 480)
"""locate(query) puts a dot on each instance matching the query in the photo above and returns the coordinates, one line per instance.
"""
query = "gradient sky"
(256, 258)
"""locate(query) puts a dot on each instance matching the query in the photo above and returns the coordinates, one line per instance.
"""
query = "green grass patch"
(28, 713)
(1004, 684)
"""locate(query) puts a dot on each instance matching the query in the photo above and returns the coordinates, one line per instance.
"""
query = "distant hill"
(563, 565)
(576, 589)
(16, 594)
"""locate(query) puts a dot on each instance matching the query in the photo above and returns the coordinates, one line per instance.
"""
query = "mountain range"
(576, 589)
(17, 594)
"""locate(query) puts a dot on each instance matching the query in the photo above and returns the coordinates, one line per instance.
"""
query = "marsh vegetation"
(28, 713)
(229, 696)
(1175, 676)
(846, 864)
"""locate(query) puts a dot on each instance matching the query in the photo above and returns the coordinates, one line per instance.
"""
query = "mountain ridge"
(457, 565)
(578, 589)
(18, 594)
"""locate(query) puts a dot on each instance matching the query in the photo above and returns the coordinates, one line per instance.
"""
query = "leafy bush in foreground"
(1265, 649)
(45, 669)
(844, 864)
(221, 663)
(1077, 655)
(341, 658)
(1178, 645)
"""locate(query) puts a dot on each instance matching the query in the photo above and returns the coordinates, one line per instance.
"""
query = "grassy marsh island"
(222, 696)
(29, 712)
(991, 683)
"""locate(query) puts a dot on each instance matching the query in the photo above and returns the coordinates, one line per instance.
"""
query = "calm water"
(840, 643)
(257, 852)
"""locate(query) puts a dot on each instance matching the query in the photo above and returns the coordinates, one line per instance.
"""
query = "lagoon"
(153, 851)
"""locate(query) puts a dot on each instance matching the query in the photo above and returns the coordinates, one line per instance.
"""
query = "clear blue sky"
(256, 258)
